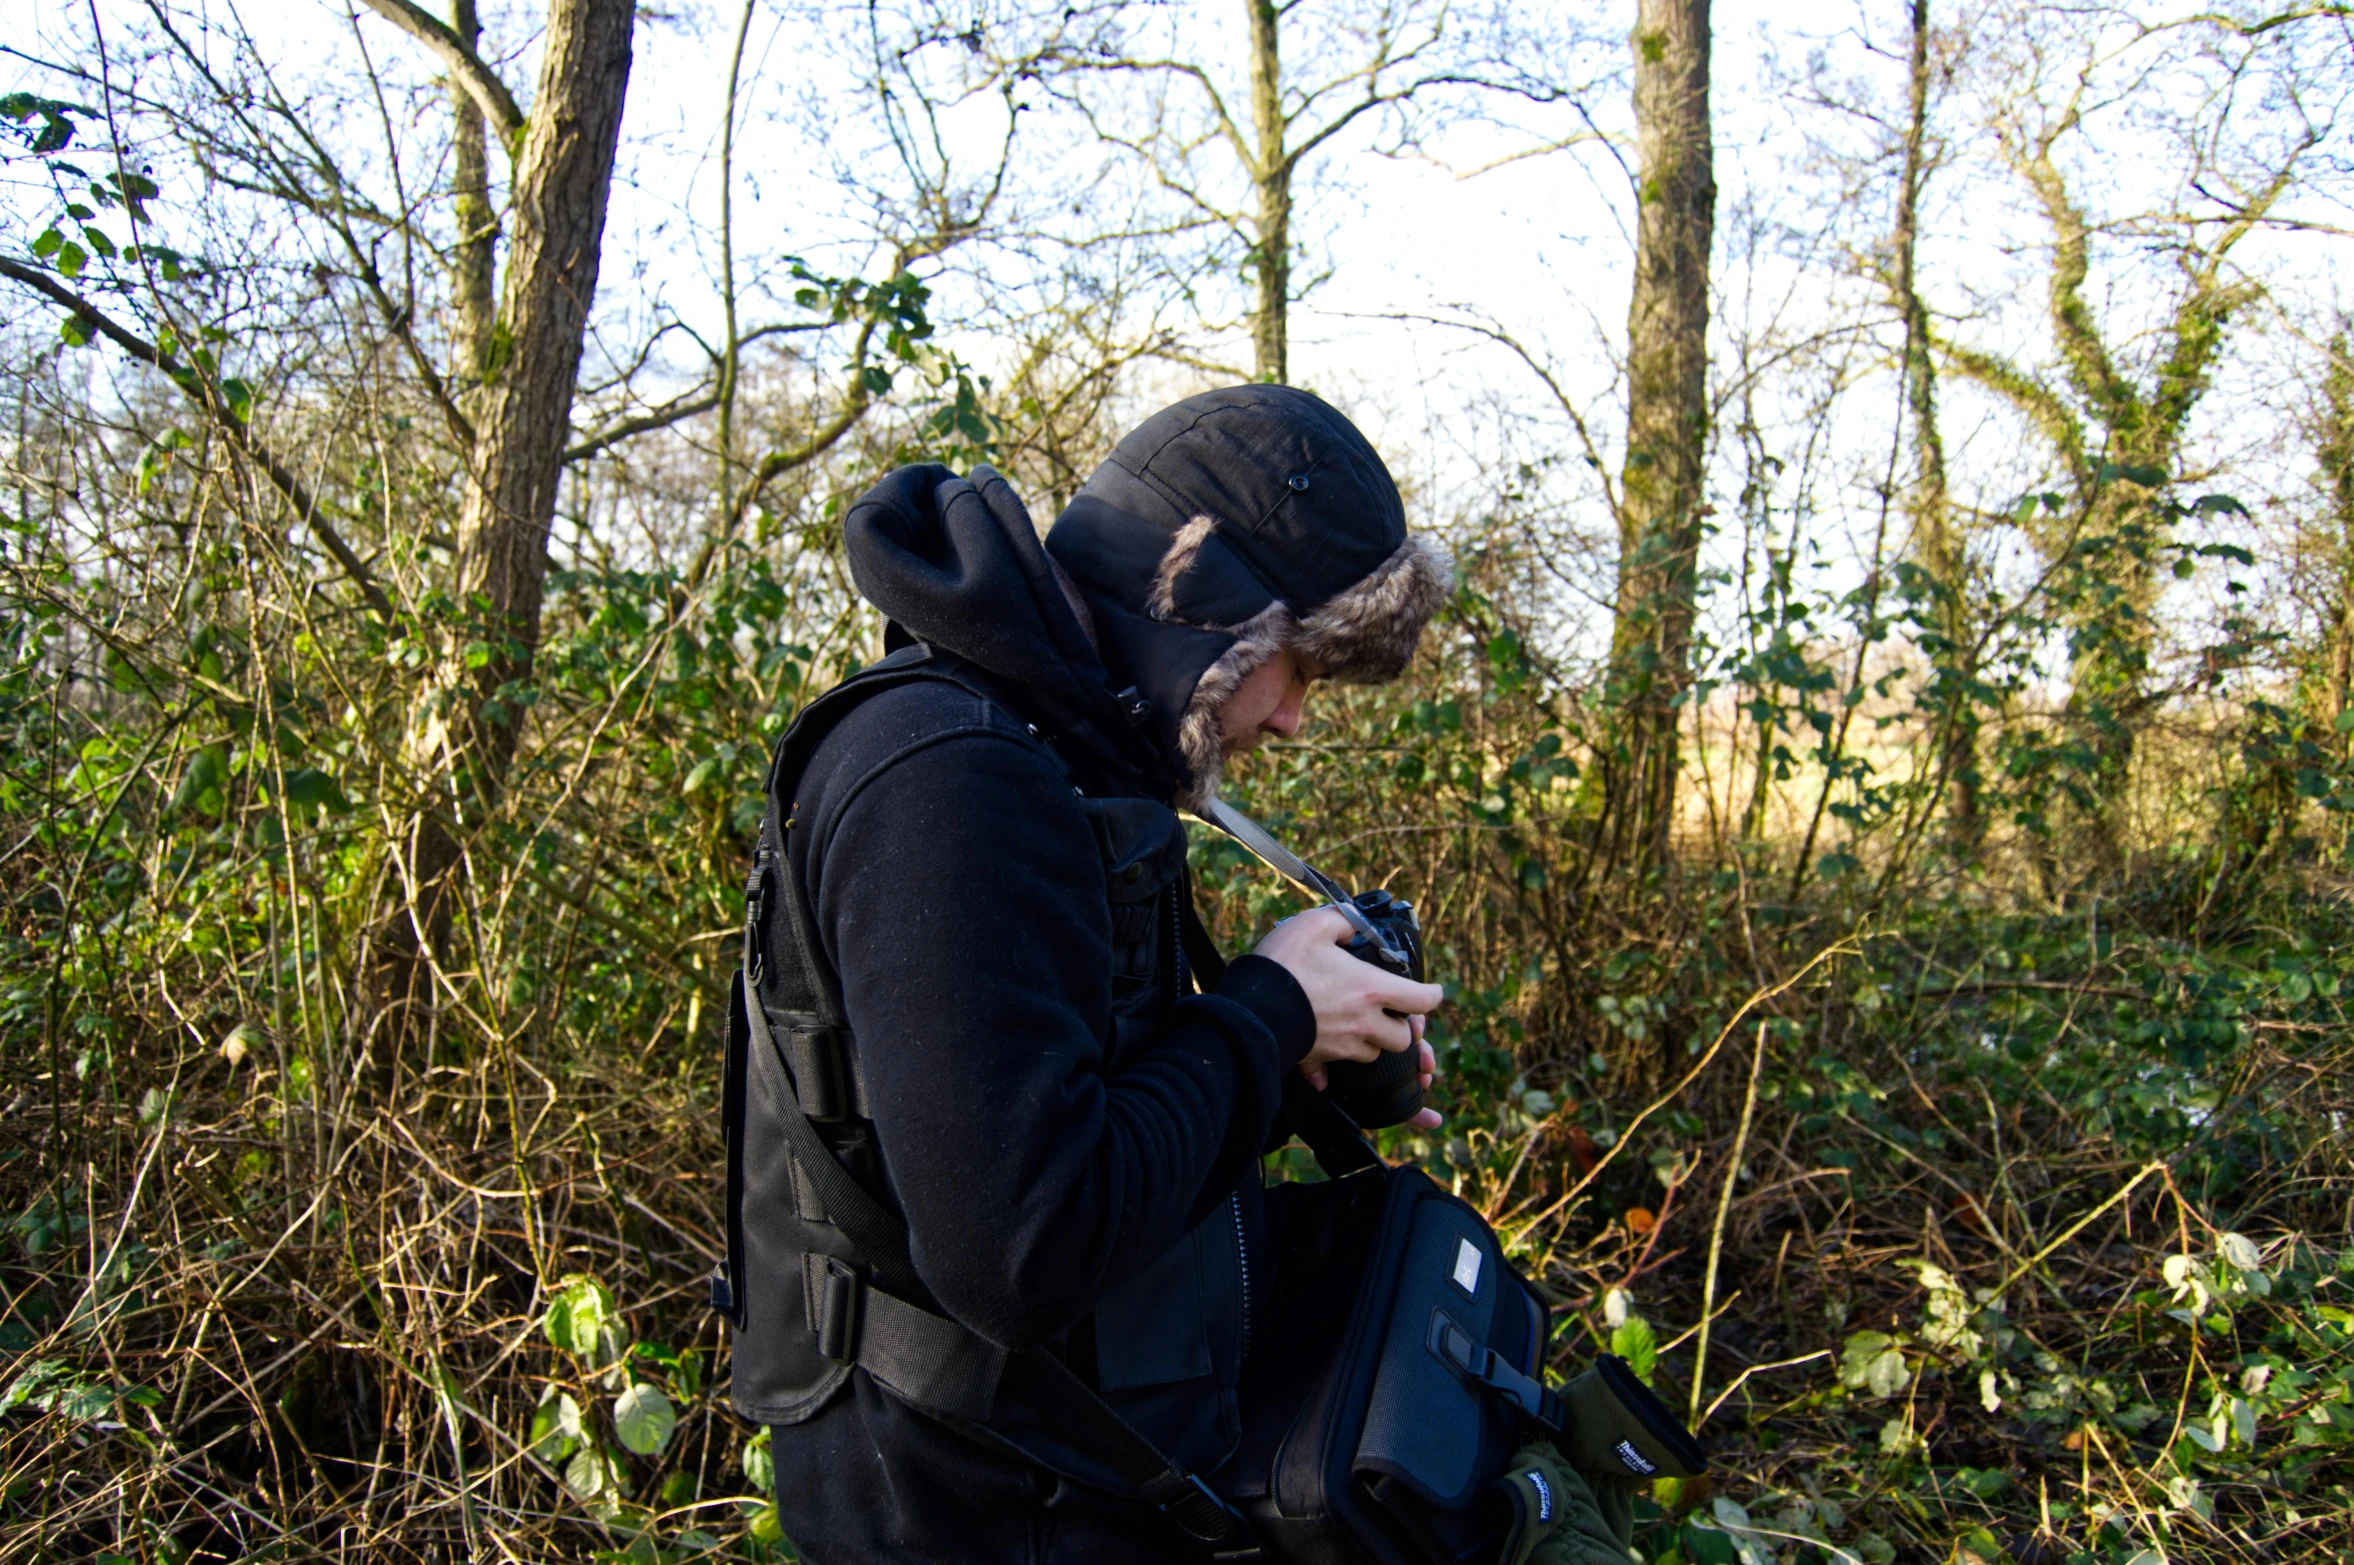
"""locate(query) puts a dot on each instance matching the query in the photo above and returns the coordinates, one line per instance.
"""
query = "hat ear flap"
(1202, 581)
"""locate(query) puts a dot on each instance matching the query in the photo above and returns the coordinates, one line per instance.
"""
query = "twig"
(1845, 947)
(1716, 1234)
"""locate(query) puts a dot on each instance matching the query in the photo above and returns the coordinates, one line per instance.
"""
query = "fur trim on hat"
(1366, 634)
(1184, 549)
(1362, 635)
(1198, 734)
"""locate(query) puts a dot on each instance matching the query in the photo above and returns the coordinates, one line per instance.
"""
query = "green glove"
(1558, 1518)
(1575, 1504)
(1614, 1426)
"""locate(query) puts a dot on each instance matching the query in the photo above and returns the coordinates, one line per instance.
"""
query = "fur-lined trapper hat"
(1229, 526)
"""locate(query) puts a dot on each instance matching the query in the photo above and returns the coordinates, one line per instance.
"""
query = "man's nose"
(1284, 721)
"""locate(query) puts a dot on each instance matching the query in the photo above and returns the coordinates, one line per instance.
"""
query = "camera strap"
(1263, 847)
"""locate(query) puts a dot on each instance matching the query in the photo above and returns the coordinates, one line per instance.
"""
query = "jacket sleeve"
(962, 901)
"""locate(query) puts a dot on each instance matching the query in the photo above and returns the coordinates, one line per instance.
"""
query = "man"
(967, 952)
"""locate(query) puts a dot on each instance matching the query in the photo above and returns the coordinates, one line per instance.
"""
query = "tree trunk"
(474, 259)
(2336, 450)
(563, 177)
(1271, 258)
(1667, 414)
(1937, 544)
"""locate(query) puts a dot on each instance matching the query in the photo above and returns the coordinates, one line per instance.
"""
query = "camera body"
(1386, 1091)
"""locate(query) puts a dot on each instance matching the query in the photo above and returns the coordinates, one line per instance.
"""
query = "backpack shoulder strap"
(816, 722)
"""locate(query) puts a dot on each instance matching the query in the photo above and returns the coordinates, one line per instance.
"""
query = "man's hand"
(1360, 1009)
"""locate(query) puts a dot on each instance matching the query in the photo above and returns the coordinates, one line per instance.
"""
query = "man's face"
(1268, 704)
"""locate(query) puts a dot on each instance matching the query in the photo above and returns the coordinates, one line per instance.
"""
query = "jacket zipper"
(1242, 1249)
(1242, 1265)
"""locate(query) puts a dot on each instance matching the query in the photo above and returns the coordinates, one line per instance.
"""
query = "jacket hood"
(1228, 527)
(955, 563)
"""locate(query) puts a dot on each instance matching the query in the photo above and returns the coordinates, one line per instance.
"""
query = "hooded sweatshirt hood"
(955, 563)
(1228, 527)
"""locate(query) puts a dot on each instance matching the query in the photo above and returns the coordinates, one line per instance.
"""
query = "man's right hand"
(1361, 1010)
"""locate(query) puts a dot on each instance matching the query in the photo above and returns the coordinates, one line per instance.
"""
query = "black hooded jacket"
(1073, 1164)
(992, 870)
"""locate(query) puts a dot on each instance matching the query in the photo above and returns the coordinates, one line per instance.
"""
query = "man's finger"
(1403, 995)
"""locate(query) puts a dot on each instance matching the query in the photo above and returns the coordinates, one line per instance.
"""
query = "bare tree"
(1938, 546)
(562, 182)
(2334, 446)
(1662, 489)
(1303, 88)
(2117, 431)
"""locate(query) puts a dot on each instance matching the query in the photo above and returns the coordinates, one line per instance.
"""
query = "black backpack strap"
(939, 1364)
(1050, 1386)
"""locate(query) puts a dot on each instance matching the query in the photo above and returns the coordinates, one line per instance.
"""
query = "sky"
(1537, 246)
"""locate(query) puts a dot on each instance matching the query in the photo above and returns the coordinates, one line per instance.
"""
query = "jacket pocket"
(1143, 850)
(1155, 1327)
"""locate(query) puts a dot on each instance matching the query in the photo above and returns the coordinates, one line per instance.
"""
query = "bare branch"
(672, 412)
(480, 81)
(201, 391)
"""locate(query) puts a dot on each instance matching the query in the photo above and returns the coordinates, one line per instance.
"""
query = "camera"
(1385, 1091)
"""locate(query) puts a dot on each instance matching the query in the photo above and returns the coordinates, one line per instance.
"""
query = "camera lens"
(1378, 1093)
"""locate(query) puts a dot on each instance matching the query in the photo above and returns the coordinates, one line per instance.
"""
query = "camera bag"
(1376, 1444)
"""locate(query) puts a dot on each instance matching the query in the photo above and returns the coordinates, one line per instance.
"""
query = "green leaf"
(1873, 1361)
(582, 1320)
(588, 1474)
(71, 258)
(759, 1465)
(556, 1430)
(308, 788)
(1634, 1341)
(644, 1418)
(31, 1386)
(239, 396)
(46, 243)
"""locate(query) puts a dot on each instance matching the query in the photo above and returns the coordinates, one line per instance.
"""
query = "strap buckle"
(821, 1072)
(835, 1295)
(756, 914)
(1201, 1515)
(1487, 1368)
